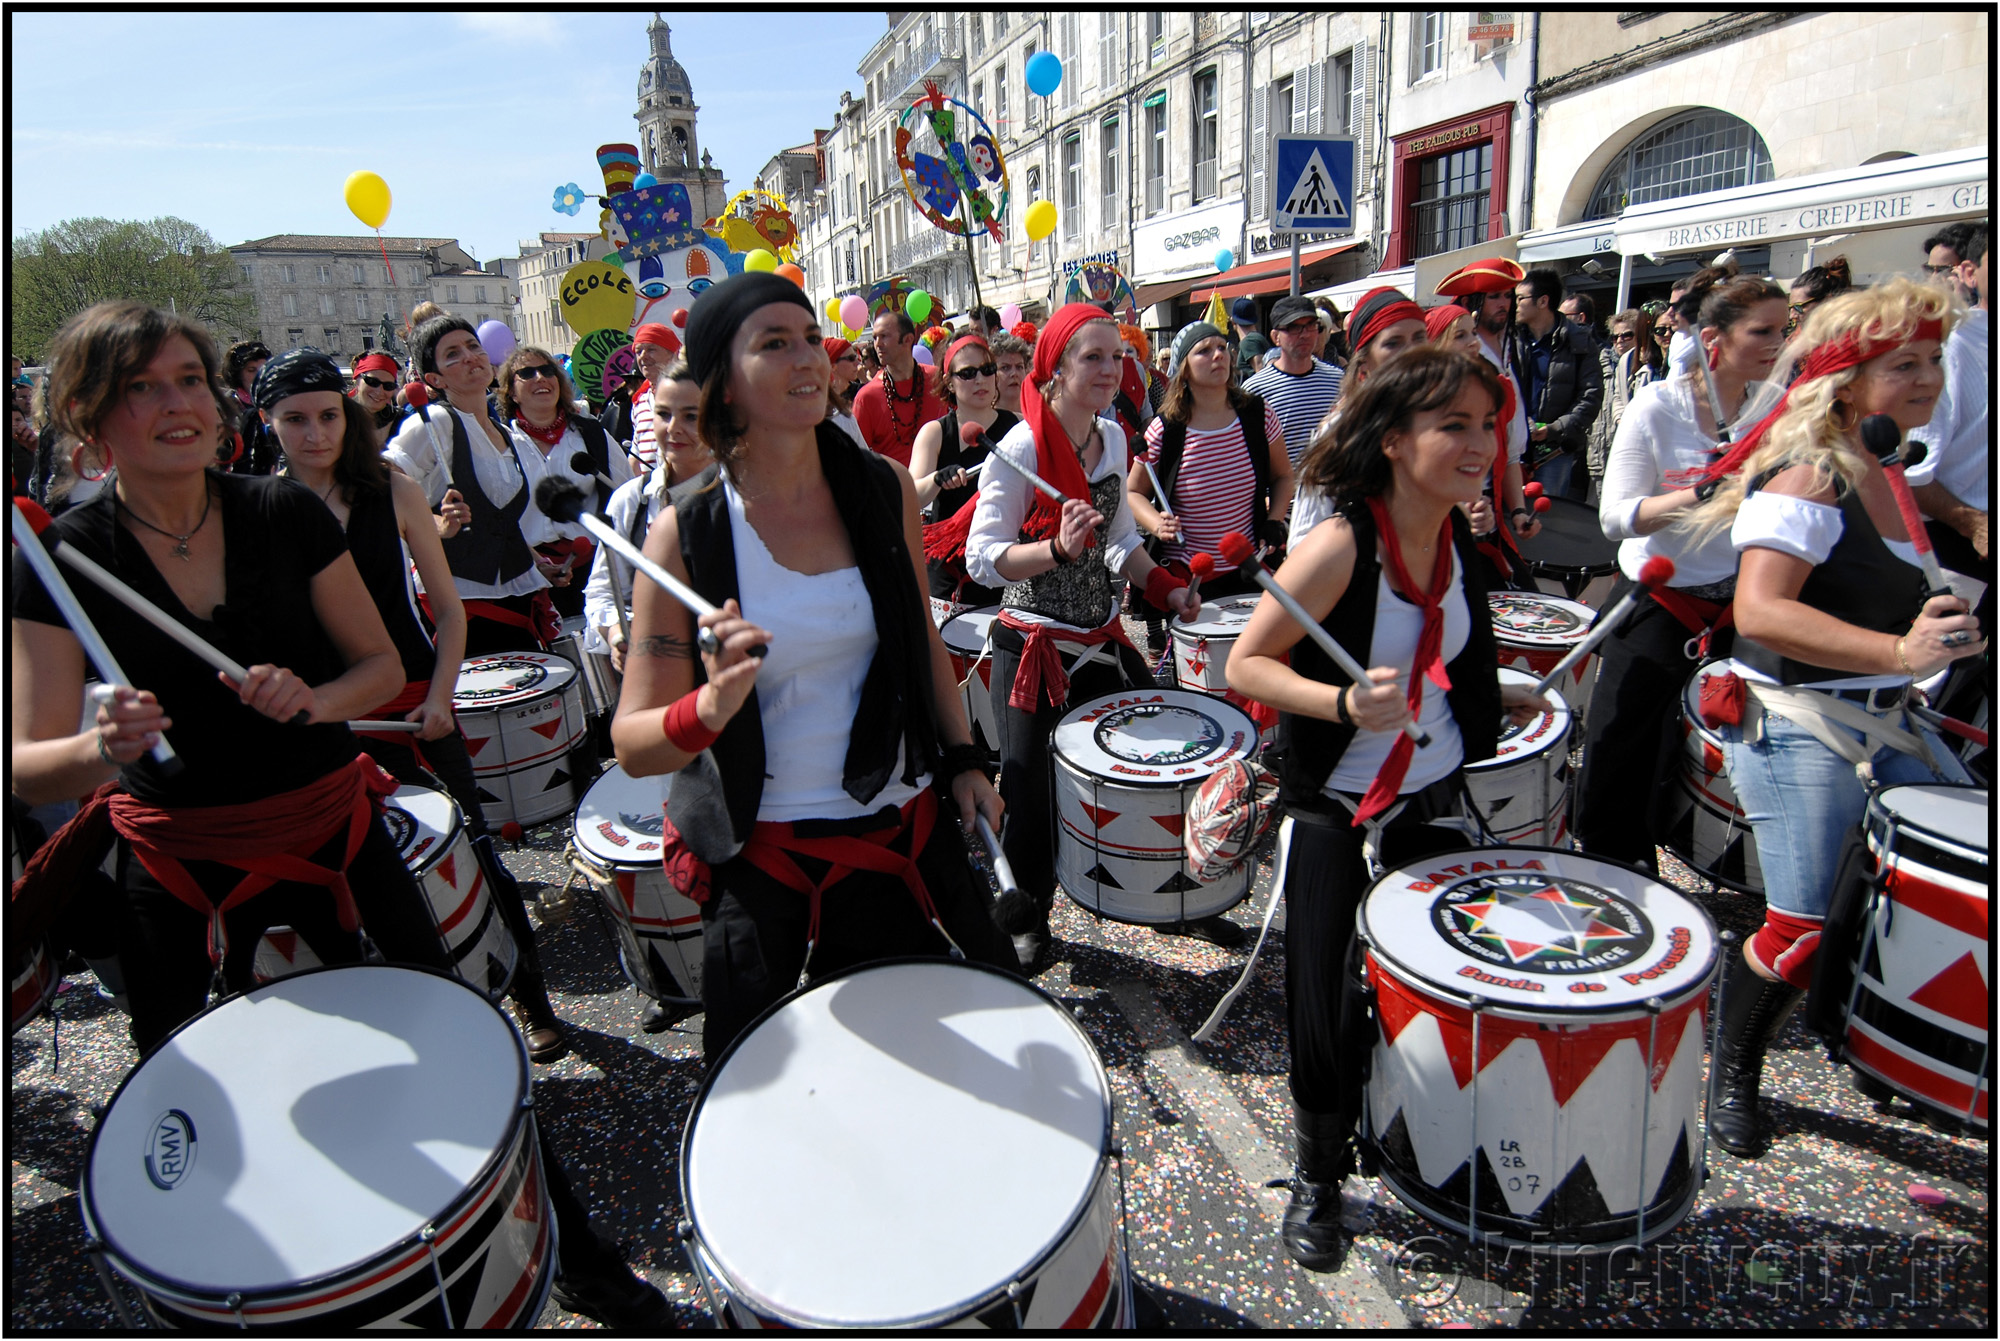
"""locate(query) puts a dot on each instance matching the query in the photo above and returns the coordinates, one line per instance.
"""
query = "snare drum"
(912, 1143)
(616, 843)
(1536, 631)
(1570, 980)
(965, 638)
(1201, 649)
(1522, 792)
(1571, 556)
(285, 1160)
(594, 674)
(433, 842)
(1127, 766)
(1918, 1007)
(1704, 826)
(521, 714)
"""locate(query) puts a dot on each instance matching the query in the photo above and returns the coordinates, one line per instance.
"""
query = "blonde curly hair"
(1817, 428)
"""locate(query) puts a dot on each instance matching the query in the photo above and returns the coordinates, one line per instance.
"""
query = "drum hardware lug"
(1727, 939)
(428, 1237)
(1477, 1005)
(1654, 1005)
(235, 1304)
(692, 1248)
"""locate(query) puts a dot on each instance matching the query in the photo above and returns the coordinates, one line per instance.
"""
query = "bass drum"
(523, 719)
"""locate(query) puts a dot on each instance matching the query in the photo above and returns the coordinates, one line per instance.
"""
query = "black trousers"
(163, 943)
(1325, 877)
(1631, 739)
(754, 928)
(1024, 756)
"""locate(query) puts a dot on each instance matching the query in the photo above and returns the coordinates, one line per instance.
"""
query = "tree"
(166, 262)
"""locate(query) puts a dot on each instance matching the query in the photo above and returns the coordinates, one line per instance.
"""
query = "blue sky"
(248, 123)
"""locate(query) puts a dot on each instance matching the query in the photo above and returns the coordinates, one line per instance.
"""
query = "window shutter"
(1301, 95)
(1361, 111)
(1260, 152)
(1316, 103)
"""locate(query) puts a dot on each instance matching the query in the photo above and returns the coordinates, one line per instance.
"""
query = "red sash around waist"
(1041, 661)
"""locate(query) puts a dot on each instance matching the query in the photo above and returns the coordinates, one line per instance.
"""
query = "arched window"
(1703, 150)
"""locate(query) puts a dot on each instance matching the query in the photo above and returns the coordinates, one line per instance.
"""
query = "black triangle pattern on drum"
(485, 796)
(1178, 883)
(1730, 865)
(557, 779)
(1102, 877)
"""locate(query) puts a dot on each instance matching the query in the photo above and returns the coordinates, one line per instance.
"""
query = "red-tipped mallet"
(1030, 476)
(972, 435)
(1963, 730)
(1236, 550)
(1532, 492)
(581, 463)
(28, 522)
(1655, 572)
(146, 610)
(1201, 567)
(1166, 509)
(1884, 440)
(419, 397)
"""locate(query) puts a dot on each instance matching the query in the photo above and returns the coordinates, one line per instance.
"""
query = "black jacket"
(1574, 393)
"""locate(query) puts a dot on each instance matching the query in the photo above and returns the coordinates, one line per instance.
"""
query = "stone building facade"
(335, 292)
(542, 264)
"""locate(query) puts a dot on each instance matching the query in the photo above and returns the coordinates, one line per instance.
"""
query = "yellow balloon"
(760, 260)
(368, 196)
(1041, 219)
(832, 309)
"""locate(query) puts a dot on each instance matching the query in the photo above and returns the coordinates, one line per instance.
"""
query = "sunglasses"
(535, 370)
(983, 370)
(1939, 269)
(1616, 336)
(379, 383)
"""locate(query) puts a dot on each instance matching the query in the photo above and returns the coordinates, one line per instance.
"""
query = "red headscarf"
(1056, 457)
(1437, 318)
(1836, 356)
(973, 341)
(374, 362)
(653, 333)
(1378, 310)
(835, 347)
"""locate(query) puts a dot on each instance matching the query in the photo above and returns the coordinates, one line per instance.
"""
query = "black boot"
(1312, 1232)
(1753, 1010)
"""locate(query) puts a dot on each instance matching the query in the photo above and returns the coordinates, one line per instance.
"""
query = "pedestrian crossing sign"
(1313, 186)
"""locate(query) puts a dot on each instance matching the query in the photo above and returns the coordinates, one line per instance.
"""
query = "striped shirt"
(1214, 489)
(644, 445)
(1301, 401)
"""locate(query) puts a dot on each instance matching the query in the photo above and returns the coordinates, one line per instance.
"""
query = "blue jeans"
(1558, 476)
(1803, 800)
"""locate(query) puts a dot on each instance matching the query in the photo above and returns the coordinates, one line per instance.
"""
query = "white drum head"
(423, 823)
(621, 819)
(501, 679)
(304, 1128)
(1541, 930)
(1544, 731)
(1962, 815)
(1528, 619)
(1220, 618)
(1153, 737)
(966, 633)
(894, 1143)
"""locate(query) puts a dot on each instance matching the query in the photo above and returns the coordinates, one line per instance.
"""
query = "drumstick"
(972, 435)
(1002, 871)
(1200, 567)
(1532, 491)
(1963, 730)
(358, 725)
(561, 501)
(1883, 439)
(581, 463)
(1655, 572)
(72, 611)
(1166, 510)
(144, 608)
(1693, 353)
(1236, 550)
(419, 397)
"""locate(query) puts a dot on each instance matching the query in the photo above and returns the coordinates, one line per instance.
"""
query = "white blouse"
(1660, 448)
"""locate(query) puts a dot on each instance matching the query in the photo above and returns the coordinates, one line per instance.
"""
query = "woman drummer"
(1393, 577)
(1060, 597)
(804, 815)
(1384, 323)
(1667, 440)
(329, 446)
(940, 461)
(1832, 627)
(259, 568)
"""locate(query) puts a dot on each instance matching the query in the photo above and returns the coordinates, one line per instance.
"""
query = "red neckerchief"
(551, 435)
(1427, 664)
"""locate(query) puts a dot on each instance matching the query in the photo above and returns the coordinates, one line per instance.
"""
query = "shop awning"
(1901, 193)
(1165, 292)
(1345, 296)
(1268, 275)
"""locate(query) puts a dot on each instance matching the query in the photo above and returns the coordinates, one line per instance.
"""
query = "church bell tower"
(669, 144)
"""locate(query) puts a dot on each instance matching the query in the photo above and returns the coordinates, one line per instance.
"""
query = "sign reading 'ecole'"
(1875, 211)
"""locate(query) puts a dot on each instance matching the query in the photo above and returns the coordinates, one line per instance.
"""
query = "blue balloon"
(644, 179)
(1225, 259)
(1044, 73)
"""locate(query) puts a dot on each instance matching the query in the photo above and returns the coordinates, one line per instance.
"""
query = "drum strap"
(1812, 710)
(1703, 619)
(1041, 667)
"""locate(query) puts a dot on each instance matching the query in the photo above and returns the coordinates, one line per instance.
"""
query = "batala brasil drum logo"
(497, 677)
(1517, 614)
(1157, 734)
(1533, 922)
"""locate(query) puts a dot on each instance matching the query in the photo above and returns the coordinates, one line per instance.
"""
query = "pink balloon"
(1010, 316)
(854, 312)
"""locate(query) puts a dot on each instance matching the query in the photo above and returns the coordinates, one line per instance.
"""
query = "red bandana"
(551, 435)
(1428, 663)
(1056, 458)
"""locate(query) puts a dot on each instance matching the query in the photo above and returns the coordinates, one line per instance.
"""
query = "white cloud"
(543, 28)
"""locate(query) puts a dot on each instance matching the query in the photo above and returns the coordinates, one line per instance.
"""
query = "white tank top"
(823, 640)
(1397, 624)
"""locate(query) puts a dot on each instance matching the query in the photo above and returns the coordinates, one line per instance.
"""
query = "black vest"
(1310, 747)
(1173, 442)
(896, 715)
(489, 548)
(1861, 583)
(952, 452)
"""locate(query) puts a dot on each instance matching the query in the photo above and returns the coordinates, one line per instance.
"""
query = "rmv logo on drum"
(170, 1149)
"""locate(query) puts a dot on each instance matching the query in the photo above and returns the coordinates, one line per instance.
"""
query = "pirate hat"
(1491, 275)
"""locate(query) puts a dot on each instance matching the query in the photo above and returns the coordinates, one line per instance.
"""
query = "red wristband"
(1159, 585)
(684, 729)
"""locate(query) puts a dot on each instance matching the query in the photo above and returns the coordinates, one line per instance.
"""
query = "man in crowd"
(1581, 311)
(1251, 346)
(1945, 253)
(653, 351)
(1950, 483)
(985, 321)
(891, 408)
(1555, 366)
(1298, 387)
(255, 448)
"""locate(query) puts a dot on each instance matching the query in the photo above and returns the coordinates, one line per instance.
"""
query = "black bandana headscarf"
(293, 373)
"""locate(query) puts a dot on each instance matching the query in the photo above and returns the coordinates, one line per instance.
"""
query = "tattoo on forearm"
(666, 645)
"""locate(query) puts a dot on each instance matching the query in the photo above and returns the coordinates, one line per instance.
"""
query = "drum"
(616, 845)
(965, 637)
(32, 985)
(1522, 792)
(1919, 1004)
(1703, 825)
(1536, 631)
(521, 714)
(1570, 555)
(1523, 997)
(913, 1143)
(433, 842)
(595, 676)
(1201, 649)
(320, 1154)
(1126, 768)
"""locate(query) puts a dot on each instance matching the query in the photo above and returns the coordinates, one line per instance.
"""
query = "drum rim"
(1926, 833)
(603, 861)
(429, 861)
(1197, 699)
(1176, 628)
(1605, 1013)
(1668, 1221)
(156, 1282)
(979, 1303)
